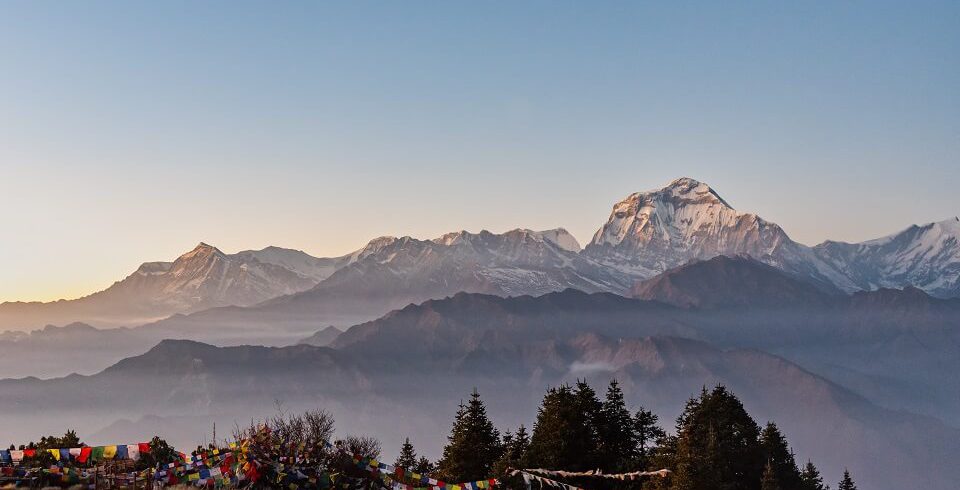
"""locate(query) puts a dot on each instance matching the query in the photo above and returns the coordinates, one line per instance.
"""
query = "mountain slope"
(731, 282)
(202, 278)
(323, 337)
(926, 257)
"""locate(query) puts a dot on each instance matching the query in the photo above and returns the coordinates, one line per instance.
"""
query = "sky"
(131, 131)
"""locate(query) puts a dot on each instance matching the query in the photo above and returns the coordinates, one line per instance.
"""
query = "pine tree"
(646, 433)
(769, 479)
(718, 445)
(473, 445)
(563, 436)
(423, 466)
(521, 441)
(810, 478)
(591, 409)
(661, 456)
(514, 449)
(617, 432)
(779, 457)
(846, 483)
(408, 457)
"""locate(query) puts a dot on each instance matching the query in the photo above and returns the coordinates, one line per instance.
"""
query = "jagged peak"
(377, 245)
(201, 250)
(452, 238)
(557, 236)
(682, 188)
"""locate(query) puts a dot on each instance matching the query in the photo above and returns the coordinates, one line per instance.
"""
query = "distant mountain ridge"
(646, 234)
(202, 278)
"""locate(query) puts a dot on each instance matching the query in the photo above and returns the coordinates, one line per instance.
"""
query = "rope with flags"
(81, 455)
(396, 476)
(598, 474)
(536, 474)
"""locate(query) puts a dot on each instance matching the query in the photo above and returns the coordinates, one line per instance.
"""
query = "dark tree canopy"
(779, 458)
(562, 435)
(408, 456)
(618, 441)
(769, 480)
(514, 448)
(810, 478)
(648, 435)
(846, 483)
(718, 445)
(473, 445)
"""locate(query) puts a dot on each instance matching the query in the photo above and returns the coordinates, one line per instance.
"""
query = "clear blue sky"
(130, 131)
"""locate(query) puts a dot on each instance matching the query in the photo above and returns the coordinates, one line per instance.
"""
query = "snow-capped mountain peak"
(650, 232)
(675, 213)
(925, 256)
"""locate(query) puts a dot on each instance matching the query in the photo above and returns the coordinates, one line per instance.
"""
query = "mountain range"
(646, 233)
(851, 348)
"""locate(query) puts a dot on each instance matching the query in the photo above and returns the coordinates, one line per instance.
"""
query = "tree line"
(716, 445)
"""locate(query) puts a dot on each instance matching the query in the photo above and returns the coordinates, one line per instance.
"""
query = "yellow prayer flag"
(55, 453)
(109, 452)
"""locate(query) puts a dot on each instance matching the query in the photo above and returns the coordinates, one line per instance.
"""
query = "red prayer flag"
(144, 447)
(84, 454)
(29, 453)
(252, 473)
